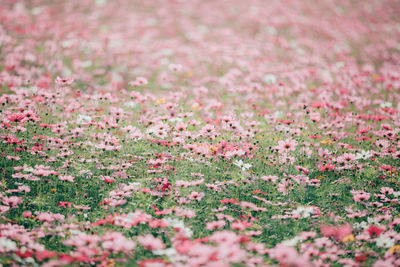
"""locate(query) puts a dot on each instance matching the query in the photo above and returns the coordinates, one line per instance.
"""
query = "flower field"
(200, 133)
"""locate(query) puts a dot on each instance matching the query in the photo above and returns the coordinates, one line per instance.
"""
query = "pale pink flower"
(64, 81)
(286, 145)
(150, 242)
(360, 196)
(68, 178)
(215, 224)
(139, 81)
(196, 195)
(12, 201)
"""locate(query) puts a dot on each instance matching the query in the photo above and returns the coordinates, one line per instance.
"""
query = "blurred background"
(105, 44)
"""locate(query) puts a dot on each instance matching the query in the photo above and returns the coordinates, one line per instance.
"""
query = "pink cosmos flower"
(4, 209)
(286, 145)
(64, 81)
(150, 242)
(208, 131)
(68, 178)
(215, 224)
(346, 157)
(384, 263)
(288, 256)
(16, 117)
(284, 186)
(360, 196)
(315, 116)
(271, 178)
(175, 67)
(387, 190)
(50, 217)
(139, 81)
(116, 242)
(196, 195)
(241, 225)
(27, 214)
(225, 237)
(12, 201)
(339, 232)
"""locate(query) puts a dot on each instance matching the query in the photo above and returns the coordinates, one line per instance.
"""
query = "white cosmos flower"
(130, 104)
(83, 118)
(169, 252)
(269, 78)
(242, 165)
(292, 242)
(361, 225)
(238, 163)
(76, 232)
(386, 105)
(176, 223)
(363, 155)
(29, 169)
(396, 194)
(304, 212)
(384, 242)
(7, 244)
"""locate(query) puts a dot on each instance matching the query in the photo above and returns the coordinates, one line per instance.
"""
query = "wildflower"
(292, 242)
(242, 165)
(384, 241)
(64, 81)
(269, 79)
(169, 253)
(215, 224)
(208, 131)
(384, 263)
(175, 67)
(27, 214)
(271, 178)
(303, 212)
(315, 116)
(241, 225)
(64, 204)
(178, 224)
(196, 195)
(16, 117)
(45, 254)
(386, 105)
(349, 238)
(394, 249)
(50, 217)
(363, 155)
(387, 190)
(225, 237)
(284, 186)
(7, 245)
(12, 201)
(288, 256)
(346, 158)
(107, 179)
(359, 196)
(68, 178)
(83, 119)
(150, 242)
(286, 145)
(374, 231)
(339, 232)
(116, 242)
(139, 81)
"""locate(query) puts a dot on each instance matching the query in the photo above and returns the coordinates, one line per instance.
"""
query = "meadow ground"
(199, 133)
